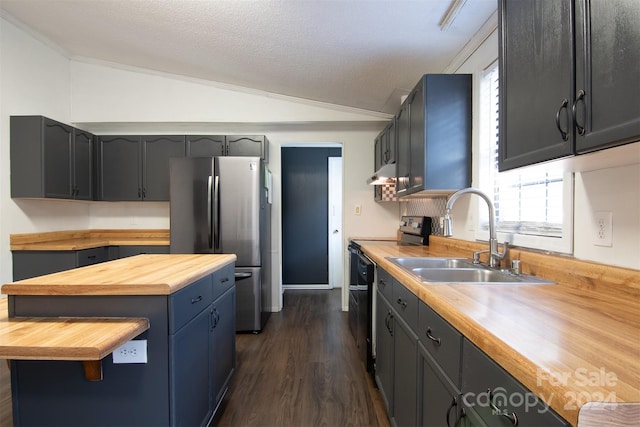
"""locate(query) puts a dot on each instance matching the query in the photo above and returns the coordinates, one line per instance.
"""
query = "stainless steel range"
(415, 230)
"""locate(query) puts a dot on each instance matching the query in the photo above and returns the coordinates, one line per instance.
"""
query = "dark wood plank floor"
(302, 370)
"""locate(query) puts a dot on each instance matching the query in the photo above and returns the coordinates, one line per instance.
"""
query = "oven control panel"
(417, 225)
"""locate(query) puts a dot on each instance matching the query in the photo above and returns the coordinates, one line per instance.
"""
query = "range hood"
(385, 175)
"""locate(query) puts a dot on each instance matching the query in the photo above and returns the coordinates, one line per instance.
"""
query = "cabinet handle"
(224, 280)
(454, 403)
(383, 283)
(503, 413)
(574, 108)
(563, 106)
(139, 192)
(432, 338)
(197, 299)
(402, 303)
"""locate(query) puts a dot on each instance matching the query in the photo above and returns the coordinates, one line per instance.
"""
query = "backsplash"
(434, 208)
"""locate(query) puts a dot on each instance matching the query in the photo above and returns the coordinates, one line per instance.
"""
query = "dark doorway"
(305, 205)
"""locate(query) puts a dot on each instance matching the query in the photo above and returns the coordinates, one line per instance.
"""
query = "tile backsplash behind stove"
(434, 208)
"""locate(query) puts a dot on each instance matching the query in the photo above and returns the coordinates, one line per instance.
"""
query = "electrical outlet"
(134, 351)
(357, 210)
(603, 228)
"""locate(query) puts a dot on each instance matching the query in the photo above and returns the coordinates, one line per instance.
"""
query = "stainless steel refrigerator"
(219, 205)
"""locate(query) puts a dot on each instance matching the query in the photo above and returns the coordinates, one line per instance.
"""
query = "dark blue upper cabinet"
(569, 73)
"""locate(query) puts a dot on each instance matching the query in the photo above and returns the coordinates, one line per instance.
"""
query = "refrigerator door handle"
(209, 209)
(243, 276)
(216, 213)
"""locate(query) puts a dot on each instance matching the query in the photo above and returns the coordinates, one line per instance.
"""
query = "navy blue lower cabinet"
(493, 396)
(190, 360)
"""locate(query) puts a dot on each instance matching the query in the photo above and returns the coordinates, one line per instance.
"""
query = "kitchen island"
(571, 343)
(189, 304)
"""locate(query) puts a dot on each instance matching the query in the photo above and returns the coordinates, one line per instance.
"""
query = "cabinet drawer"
(441, 340)
(185, 304)
(406, 304)
(481, 375)
(127, 251)
(222, 280)
(385, 284)
(92, 256)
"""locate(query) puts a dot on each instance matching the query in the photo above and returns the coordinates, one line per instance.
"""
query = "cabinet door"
(205, 145)
(191, 372)
(57, 159)
(403, 165)
(82, 165)
(27, 264)
(119, 168)
(497, 397)
(536, 80)
(378, 151)
(607, 73)
(132, 250)
(384, 352)
(416, 138)
(438, 395)
(223, 344)
(405, 383)
(390, 156)
(241, 145)
(157, 152)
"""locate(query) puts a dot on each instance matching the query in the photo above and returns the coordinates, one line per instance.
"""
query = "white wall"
(34, 79)
(614, 190)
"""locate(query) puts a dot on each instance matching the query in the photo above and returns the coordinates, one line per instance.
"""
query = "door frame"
(331, 245)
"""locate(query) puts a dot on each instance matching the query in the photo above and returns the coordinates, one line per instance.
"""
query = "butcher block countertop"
(86, 239)
(570, 343)
(60, 338)
(137, 275)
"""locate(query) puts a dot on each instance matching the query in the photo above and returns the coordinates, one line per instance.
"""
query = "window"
(531, 207)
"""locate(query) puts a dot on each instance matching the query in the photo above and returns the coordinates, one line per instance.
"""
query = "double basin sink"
(461, 271)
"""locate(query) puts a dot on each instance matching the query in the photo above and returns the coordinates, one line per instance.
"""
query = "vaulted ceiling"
(357, 53)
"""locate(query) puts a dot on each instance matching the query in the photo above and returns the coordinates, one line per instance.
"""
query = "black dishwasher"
(361, 275)
(414, 230)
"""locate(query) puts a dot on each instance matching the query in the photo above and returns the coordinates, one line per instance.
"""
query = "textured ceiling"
(356, 53)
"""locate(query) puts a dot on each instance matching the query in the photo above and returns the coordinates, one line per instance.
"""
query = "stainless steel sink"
(420, 262)
(461, 271)
(475, 276)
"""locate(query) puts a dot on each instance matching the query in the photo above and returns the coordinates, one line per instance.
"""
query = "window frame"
(487, 125)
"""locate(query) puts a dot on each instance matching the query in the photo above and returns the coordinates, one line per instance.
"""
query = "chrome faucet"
(494, 256)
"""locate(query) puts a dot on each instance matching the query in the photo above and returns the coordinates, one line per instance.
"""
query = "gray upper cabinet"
(49, 159)
(136, 167)
(247, 145)
(554, 103)
(536, 80)
(229, 145)
(607, 73)
(119, 160)
(83, 143)
(434, 136)
(385, 152)
(157, 150)
(403, 151)
(205, 145)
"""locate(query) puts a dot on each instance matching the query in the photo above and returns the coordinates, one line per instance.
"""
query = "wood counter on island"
(189, 304)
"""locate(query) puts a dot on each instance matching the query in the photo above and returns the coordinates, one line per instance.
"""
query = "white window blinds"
(528, 201)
